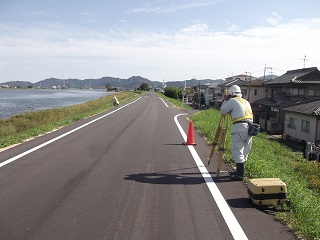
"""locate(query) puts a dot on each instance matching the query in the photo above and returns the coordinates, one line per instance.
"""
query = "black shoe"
(236, 178)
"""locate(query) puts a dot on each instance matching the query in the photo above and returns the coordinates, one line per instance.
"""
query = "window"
(256, 92)
(305, 126)
(301, 91)
(275, 90)
(295, 91)
(314, 92)
(210, 90)
(292, 123)
(274, 112)
(244, 92)
(311, 92)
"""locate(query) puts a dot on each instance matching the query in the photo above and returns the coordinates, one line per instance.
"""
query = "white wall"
(297, 133)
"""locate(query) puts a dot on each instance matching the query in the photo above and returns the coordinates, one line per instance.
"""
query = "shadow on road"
(240, 203)
(165, 178)
(177, 176)
(173, 176)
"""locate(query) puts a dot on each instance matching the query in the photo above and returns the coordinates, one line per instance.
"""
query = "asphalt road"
(125, 174)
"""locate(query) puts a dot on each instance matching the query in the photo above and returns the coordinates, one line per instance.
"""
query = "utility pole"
(246, 74)
(264, 75)
(249, 88)
(270, 72)
(304, 61)
(199, 97)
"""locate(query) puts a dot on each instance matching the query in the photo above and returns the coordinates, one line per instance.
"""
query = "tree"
(144, 87)
(108, 87)
(172, 92)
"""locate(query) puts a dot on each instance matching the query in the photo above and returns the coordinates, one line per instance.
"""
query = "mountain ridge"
(105, 82)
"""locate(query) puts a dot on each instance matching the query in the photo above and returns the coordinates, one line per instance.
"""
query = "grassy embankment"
(31, 124)
(269, 158)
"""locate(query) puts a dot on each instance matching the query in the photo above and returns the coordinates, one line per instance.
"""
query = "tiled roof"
(232, 82)
(312, 108)
(279, 99)
(305, 75)
(254, 83)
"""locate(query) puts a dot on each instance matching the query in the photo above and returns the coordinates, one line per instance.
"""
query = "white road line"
(164, 102)
(61, 136)
(231, 221)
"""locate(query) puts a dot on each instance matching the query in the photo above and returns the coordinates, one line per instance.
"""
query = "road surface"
(125, 174)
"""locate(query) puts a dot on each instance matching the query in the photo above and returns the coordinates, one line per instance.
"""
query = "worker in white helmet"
(241, 113)
(115, 101)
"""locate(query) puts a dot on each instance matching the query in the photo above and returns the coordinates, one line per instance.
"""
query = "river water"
(16, 101)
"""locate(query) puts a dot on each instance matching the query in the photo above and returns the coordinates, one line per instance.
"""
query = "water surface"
(16, 101)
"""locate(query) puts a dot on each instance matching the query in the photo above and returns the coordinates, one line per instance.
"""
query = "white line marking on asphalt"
(61, 136)
(233, 225)
(164, 102)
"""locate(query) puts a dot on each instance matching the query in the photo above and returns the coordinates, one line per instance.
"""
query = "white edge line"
(61, 136)
(164, 102)
(231, 221)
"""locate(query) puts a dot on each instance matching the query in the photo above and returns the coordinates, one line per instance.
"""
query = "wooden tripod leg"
(221, 149)
(214, 144)
(216, 138)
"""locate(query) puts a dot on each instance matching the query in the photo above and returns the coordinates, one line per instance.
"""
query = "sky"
(162, 40)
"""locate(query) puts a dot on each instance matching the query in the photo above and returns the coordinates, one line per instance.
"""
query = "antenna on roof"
(304, 60)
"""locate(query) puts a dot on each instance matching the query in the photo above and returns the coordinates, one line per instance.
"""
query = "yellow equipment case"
(267, 191)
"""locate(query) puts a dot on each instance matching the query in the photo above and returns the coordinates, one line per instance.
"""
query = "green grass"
(31, 124)
(269, 158)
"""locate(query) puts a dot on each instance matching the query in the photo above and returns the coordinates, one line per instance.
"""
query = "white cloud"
(172, 8)
(196, 28)
(275, 19)
(233, 28)
(196, 50)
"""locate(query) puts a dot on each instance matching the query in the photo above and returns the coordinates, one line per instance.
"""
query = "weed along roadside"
(28, 125)
(270, 159)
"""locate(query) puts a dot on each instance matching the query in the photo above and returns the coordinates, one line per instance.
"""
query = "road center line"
(61, 136)
(231, 221)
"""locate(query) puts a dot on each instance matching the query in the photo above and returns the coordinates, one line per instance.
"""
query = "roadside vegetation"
(270, 159)
(31, 124)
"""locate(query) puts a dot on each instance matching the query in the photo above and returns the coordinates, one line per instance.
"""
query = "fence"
(312, 152)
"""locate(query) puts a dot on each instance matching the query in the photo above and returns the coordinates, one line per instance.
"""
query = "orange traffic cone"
(190, 138)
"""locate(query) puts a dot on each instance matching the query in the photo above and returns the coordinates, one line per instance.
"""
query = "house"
(242, 77)
(253, 90)
(194, 94)
(302, 122)
(294, 87)
(209, 94)
(221, 88)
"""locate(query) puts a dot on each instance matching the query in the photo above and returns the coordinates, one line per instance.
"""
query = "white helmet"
(235, 90)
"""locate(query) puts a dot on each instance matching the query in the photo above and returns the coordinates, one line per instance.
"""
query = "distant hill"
(268, 77)
(130, 83)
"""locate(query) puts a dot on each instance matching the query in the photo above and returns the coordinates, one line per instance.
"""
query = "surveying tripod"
(220, 141)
